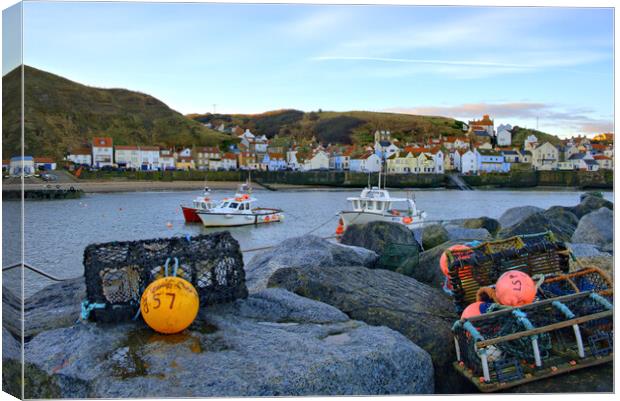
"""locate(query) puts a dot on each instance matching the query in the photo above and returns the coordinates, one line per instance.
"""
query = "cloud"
(563, 119)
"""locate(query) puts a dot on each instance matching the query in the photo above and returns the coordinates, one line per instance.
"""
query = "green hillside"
(520, 134)
(338, 127)
(61, 114)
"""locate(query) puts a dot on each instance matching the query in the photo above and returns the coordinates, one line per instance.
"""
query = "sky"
(516, 64)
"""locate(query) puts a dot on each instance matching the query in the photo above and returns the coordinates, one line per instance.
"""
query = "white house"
(604, 162)
(127, 156)
(166, 159)
(81, 156)
(149, 157)
(320, 160)
(103, 151)
(44, 163)
(469, 162)
(504, 136)
(545, 157)
(291, 159)
(438, 157)
(367, 163)
(229, 161)
(19, 165)
(531, 142)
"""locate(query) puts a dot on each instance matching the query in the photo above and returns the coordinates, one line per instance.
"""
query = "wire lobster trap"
(116, 273)
(509, 346)
(481, 265)
(585, 279)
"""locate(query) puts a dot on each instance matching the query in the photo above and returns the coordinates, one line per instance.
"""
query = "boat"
(239, 211)
(376, 204)
(203, 202)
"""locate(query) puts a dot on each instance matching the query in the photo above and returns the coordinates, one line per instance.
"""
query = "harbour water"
(56, 232)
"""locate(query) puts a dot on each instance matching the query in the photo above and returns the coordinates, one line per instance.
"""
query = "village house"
(80, 156)
(247, 160)
(6, 165)
(383, 146)
(275, 161)
(604, 162)
(166, 160)
(185, 163)
(469, 162)
(504, 135)
(318, 161)
(19, 165)
(511, 156)
(490, 161)
(229, 161)
(44, 163)
(291, 159)
(545, 157)
(202, 156)
(485, 124)
(530, 143)
(127, 157)
(453, 142)
(103, 152)
(149, 158)
(366, 163)
(401, 163)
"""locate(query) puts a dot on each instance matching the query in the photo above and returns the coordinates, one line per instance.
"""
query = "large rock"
(595, 228)
(456, 233)
(434, 235)
(595, 379)
(585, 250)
(308, 251)
(381, 297)
(589, 204)
(517, 214)
(378, 236)
(273, 343)
(491, 225)
(556, 219)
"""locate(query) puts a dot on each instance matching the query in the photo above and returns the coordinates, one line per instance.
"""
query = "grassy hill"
(61, 114)
(338, 127)
(520, 134)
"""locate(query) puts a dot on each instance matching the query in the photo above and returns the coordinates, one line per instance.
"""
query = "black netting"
(117, 273)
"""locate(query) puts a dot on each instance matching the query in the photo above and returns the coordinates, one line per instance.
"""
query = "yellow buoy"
(169, 305)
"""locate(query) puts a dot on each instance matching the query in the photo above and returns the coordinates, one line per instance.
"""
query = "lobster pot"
(586, 279)
(482, 265)
(511, 346)
(117, 273)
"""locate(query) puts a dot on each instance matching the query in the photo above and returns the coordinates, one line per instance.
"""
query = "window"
(234, 205)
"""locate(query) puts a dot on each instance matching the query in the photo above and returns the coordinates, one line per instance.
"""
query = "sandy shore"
(139, 186)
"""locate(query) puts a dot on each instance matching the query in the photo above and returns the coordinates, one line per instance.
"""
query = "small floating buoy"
(475, 309)
(169, 305)
(515, 288)
(169, 224)
(120, 209)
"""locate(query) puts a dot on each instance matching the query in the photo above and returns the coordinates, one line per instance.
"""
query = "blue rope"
(87, 307)
(176, 267)
(472, 330)
(445, 287)
(599, 299)
(564, 309)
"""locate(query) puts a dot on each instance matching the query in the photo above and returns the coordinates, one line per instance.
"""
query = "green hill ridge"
(61, 114)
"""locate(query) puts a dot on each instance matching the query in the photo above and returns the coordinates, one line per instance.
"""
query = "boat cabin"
(237, 204)
(375, 200)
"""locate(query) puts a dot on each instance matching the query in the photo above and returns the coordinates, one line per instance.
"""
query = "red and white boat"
(200, 203)
(238, 211)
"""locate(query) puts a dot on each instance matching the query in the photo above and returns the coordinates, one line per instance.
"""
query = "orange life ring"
(340, 230)
(266, 219)
(407, 220)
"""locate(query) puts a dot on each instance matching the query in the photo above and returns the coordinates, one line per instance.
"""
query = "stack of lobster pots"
(524, 315)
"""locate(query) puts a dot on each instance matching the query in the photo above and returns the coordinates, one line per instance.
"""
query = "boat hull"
(190, 214)
(240, 219)
(349, 218)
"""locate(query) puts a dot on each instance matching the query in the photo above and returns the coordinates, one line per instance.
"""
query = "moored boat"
(238, 211)
(203, 202)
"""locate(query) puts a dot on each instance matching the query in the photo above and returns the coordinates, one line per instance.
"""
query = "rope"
(87, 307)
(564, 309)
(602, 301)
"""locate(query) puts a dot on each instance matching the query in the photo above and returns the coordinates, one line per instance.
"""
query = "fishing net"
(117, 273)
(480, 266)
(586, 279)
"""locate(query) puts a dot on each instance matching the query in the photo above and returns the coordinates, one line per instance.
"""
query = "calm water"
(56, 232)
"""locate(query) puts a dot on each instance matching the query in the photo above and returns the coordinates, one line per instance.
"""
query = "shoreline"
(108, 186)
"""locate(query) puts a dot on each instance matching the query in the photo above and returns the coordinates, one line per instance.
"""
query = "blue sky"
(513, 63)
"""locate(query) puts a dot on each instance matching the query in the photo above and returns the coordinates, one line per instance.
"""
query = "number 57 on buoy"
(169, 305)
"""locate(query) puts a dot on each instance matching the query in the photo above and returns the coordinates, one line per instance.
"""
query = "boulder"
(11, 365)
(380, 297)
(585, 250)
(456, 233)
(595, 228)
(273, 343)
(589, 204)
(556, 219)
(434, 235)
(378, 236)
(491, 225)
(596, 194)
(428, 271)
(515, 215)
(304, 252)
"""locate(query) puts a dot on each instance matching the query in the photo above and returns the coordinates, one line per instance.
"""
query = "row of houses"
(27, 165)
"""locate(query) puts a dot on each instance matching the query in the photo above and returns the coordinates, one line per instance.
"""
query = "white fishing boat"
(202, 202)
(239, 211)
(376, 204)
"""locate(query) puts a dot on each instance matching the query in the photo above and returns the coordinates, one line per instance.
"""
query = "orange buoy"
(443, 260)
(169, 305)
(340, 229)
(407, 220)
(169, 224)
(246, 196)
(515, 288)
(266, 219)
(475, 309)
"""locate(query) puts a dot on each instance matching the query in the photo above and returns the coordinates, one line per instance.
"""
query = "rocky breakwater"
(272, 343)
